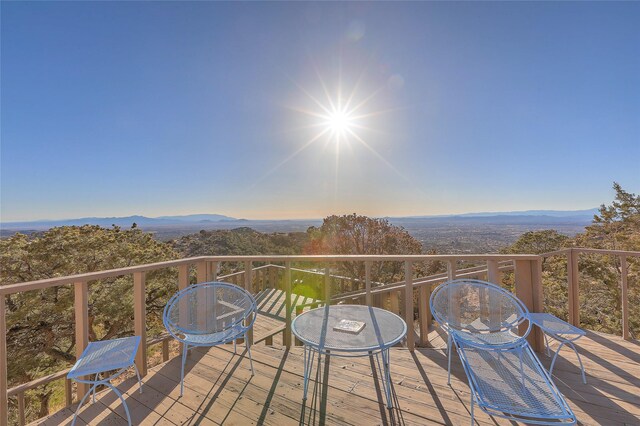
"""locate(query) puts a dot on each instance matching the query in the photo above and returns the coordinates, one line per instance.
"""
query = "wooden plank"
(81, 310)
(140, 319)
(624, 294)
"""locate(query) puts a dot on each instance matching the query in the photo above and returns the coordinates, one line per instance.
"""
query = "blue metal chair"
(506, 378)
(209, 314)
(480, 313)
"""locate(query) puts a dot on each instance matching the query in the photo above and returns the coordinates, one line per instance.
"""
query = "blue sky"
(154, 108)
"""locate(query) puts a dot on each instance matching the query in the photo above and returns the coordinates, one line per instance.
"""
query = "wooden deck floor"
(219, 389)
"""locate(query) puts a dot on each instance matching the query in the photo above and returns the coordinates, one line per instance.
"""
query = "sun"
(339, 122)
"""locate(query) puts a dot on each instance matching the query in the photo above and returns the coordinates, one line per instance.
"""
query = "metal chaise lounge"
(505, 376)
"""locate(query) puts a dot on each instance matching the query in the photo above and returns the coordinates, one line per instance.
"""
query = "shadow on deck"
(219, 389)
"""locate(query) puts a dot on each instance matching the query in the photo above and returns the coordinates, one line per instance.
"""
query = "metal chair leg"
(450, 346)
(184, 360)
(139, 379)
(584, 378)
(249, 352)
(75, 415)
(124, 403)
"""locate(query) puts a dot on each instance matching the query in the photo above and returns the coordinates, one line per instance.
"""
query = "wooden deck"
(219, 389)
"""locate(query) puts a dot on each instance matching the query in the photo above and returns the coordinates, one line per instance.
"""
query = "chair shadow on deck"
(90, 411)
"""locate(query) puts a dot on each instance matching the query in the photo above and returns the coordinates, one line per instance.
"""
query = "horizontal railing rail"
(573, 281)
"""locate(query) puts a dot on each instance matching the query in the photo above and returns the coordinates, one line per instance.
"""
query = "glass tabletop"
(317, 328)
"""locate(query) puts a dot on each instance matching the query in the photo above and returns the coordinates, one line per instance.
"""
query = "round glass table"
(349, 330)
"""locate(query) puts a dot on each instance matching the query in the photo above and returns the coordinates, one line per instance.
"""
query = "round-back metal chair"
(210, 314)
(479, 313)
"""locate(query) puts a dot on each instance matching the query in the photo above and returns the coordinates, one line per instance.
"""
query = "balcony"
(220, 390)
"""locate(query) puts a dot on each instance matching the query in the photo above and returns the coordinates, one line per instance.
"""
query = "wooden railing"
(528, 288)
(573, 282)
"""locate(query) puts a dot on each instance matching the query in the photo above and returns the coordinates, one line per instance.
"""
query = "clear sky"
(298, 110)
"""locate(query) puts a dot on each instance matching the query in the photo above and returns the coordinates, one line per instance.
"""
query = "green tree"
(40, 338)
(361, 235)
(615, 227)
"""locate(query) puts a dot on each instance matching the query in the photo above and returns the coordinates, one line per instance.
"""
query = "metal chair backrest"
(207, 309)
(475, 306)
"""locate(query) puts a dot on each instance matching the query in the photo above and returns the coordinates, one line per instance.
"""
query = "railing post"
(183, 282)
(287, 288)
(248, 285)
(454, 307)
(425, 313)
(183, 276)
(81, 308)
(273, 277)
(165, 350)
(624, 270)
(493, 276)
(408, 304)
(4, 401)
(327, 286)
(394, 302)
(140, 319)
(573, 287)
(528, 277)
(367, 281)
(21, 416)
(213, 271)
(68, 392)
(202, 272)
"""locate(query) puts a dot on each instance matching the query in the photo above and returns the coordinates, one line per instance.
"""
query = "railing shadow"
(272, 390)
(616, 347)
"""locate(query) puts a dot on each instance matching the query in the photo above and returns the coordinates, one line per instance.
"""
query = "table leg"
(385, 375)
(309, 355)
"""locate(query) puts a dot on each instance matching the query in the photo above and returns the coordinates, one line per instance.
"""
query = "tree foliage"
(616, 227)
(362, 235)
(40, 338)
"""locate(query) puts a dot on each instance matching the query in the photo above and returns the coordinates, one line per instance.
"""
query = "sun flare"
(339, 123)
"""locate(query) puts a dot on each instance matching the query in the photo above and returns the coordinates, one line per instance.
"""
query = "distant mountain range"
(551, 213)
(207, 220)
(122, 221)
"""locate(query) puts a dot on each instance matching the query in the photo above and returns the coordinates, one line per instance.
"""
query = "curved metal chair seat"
(499, 339)
(513, 384)
(210, 314)
(213, 339)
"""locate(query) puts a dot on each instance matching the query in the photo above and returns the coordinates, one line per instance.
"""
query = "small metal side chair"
(210, 314)
(103, 357)
(561, 331)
